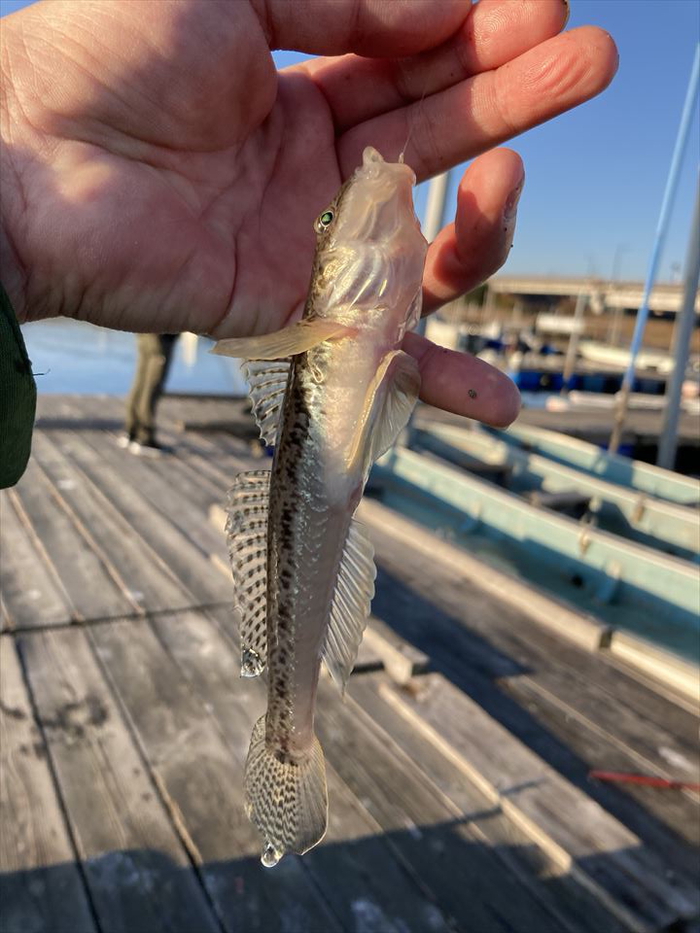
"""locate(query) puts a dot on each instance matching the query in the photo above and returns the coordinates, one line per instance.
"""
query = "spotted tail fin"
(286, 800)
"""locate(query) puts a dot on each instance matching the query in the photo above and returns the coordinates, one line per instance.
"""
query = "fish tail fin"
(286, 800)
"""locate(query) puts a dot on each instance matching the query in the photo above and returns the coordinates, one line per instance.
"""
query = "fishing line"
(412, 122)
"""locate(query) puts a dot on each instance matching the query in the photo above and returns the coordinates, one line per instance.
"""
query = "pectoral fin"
(388, 405)
(297, 338)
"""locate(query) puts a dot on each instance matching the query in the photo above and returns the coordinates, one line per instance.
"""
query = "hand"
(159, 175)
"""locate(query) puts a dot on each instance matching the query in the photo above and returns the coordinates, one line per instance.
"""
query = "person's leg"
(144, 349)
(158, 353)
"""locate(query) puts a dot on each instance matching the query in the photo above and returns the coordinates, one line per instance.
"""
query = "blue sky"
(595, 176)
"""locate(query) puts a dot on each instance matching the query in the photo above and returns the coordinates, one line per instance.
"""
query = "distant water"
(70, 356)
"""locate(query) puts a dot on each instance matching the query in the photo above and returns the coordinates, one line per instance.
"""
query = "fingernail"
(511, 205)
(567, 4)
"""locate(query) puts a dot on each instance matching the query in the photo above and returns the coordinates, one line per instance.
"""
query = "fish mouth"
(378, 200)
(375, 166)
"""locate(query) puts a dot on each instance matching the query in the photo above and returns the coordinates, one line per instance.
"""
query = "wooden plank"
(595, 709)
(183, 499)
(68, 546)
(577, 908)
(202, 781)
(196, 459)
(578, 832)
(174, 547)
(353, 867)
(136, 868)
(149, 583)
(502, 642)
(666, 695)
(424, 829)
(31, 593)
(524, 723)
(537, 606)
(683, 675)
(56, 409)
(677, 810)
(400, 659)
(41, 889)
(219, 459)
(199, 414)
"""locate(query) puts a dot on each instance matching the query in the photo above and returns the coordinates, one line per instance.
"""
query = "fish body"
(333, 392)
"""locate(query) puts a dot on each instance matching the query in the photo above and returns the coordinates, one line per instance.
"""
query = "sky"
(595, 176)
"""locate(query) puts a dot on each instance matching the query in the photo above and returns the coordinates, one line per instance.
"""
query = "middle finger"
(495, 31)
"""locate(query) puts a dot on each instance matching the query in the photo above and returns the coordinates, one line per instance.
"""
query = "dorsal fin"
(246, 535)
(268, 382)
(353, 594)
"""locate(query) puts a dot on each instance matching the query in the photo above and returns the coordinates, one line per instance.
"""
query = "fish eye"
(324, 221)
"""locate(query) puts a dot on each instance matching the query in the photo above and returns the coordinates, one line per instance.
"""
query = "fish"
(331, 393)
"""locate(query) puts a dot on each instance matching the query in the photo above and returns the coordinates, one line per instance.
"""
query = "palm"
(249, 243)
(214, 216)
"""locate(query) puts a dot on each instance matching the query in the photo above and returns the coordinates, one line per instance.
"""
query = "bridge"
(603, 294)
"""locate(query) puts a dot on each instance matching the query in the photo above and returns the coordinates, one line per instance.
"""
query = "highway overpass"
(603, 294)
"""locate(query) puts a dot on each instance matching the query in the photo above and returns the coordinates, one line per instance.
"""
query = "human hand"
(159, 175)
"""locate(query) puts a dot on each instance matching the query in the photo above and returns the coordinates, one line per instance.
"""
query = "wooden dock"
(457, 765)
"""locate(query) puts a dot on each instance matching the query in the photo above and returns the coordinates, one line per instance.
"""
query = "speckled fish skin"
(332, 391)
(368, 271)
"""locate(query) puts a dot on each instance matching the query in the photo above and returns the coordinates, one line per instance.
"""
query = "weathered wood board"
(41, 887)
(576, 906)
(183, 498)
(136, 867)
(353, 868)
(32, 593)
(148, 581)
(201, 781)
(567, 823)
(155, 527)
(68, 548)
(448, 814)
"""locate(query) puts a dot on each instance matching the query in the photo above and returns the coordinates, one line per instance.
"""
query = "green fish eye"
(326, 219)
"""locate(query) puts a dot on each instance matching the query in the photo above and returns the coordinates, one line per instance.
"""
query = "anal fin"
(351, 605)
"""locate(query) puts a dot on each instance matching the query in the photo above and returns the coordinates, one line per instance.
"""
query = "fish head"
(372, 205)
(371, 251)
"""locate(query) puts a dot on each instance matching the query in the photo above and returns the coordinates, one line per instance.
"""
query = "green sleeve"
(17, 397)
